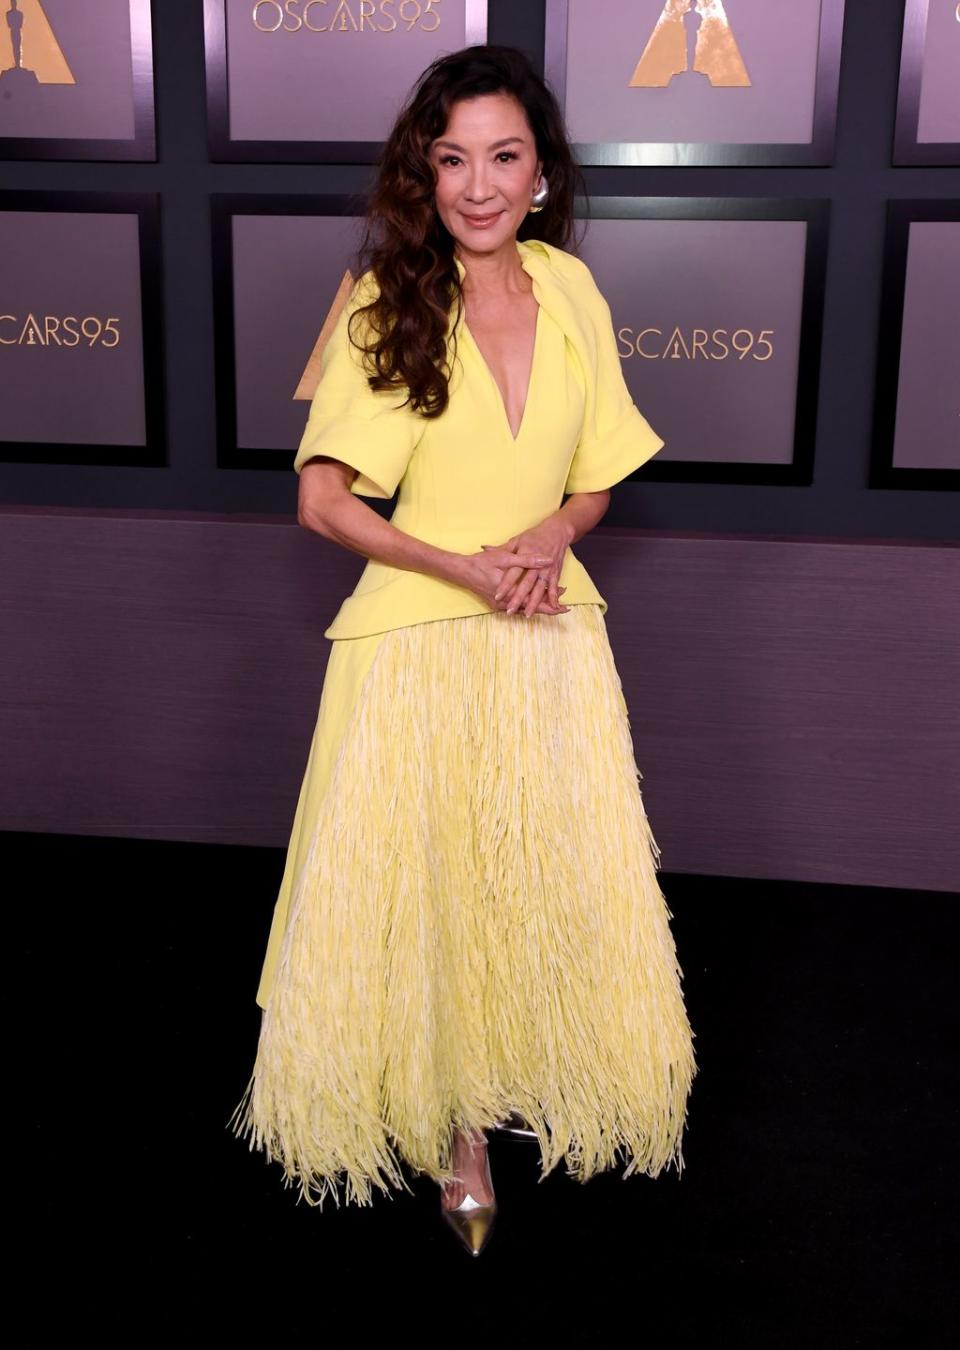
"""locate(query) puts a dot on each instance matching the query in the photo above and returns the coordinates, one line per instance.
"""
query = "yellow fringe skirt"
(470, 924)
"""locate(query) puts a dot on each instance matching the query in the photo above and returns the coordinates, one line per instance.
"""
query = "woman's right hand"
(483, 572)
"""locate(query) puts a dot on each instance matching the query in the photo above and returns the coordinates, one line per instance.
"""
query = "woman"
(469, 928)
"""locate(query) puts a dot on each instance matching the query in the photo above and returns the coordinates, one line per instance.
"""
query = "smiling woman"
(464, 480)
(469, 928)
(484, 187)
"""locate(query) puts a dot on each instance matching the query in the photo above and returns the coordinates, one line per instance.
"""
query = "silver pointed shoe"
(516, 1127)
(472, 1222)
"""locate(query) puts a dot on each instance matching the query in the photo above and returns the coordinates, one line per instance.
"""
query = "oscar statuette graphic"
(692, 39)
(311, 375)
(30, 54)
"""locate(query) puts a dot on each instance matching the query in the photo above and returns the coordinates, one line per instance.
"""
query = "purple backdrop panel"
(928, 392)
(327, 72)
(707, 314)
(71, 334)
(674, 70)
(74, 78)
(792, 701)
(939, 118)
(286, 271)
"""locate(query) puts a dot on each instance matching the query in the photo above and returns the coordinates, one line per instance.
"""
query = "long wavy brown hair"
(407, 246)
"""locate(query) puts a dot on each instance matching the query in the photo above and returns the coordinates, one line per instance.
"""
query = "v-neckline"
(530, 378)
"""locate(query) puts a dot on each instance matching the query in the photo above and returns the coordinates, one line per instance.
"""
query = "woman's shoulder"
(569, 271)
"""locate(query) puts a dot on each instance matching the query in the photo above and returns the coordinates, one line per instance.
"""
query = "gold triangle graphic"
(716, 54)
(40, 51)
(311, 375)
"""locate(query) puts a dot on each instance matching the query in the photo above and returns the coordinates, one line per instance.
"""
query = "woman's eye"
(448, 159)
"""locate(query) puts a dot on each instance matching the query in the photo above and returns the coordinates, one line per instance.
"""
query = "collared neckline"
(534, 261)
(531, 251)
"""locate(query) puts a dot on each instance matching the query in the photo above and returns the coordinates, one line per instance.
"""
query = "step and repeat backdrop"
(717, 301)
(787, 646)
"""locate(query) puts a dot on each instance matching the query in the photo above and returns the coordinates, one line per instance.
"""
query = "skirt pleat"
(476, 928)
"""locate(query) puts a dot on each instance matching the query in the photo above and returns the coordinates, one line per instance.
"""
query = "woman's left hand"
(529, 587)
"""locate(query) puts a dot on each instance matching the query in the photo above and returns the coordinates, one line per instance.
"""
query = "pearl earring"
(539, 198)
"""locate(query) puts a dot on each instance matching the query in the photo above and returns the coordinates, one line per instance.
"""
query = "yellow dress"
(469, 923)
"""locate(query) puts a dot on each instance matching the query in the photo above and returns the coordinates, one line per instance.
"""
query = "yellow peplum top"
(463, 479)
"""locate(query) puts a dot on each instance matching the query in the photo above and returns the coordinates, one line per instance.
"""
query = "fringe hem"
(477, 929)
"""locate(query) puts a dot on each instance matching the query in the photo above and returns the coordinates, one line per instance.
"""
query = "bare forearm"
(348, 521)
(582, 510)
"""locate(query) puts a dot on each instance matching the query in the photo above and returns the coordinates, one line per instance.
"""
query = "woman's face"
(487, 167)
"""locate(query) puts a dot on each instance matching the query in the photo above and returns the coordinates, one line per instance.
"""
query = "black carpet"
(817, 1206)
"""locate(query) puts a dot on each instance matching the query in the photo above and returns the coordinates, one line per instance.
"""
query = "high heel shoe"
(516, 1127)
(471, 1221)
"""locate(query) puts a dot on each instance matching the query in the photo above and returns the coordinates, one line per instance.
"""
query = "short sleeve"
(349, 421)
(616, 438)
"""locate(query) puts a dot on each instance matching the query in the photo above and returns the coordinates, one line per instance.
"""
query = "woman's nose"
(478, 188)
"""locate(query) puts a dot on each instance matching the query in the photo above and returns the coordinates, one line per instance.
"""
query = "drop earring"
(538, 199)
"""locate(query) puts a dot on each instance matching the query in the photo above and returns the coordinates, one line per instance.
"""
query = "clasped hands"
(523, 573)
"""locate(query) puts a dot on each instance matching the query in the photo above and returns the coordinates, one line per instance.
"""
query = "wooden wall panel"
(793, 702)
